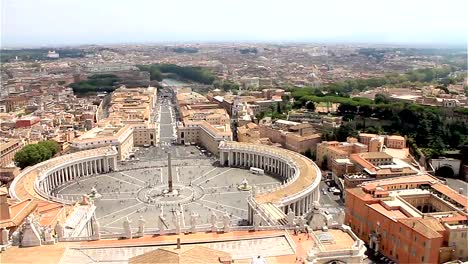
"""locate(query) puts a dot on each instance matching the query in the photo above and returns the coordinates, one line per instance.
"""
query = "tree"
(346, 131)
(35, 153)
(464, 152)
(310, 106)
(278, 108)
(381, 99)
(29, 155)
(51, 145)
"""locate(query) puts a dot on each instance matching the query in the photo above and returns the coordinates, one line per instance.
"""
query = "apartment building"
(129, 123)
(411, 219)
(291, 135)
(202, 123)
(375, 141)
(331, 150)
(8, 150)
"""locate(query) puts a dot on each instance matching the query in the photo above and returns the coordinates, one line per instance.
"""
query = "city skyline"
(118, 22)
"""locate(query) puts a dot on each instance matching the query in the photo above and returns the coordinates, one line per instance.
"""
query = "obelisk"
(169, 171)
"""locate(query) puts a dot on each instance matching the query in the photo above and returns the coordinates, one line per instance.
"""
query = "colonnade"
(304, 205)
(74, 169)
(277, 162)
(268, 163)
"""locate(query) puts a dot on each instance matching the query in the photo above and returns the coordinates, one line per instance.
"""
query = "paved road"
(456, 184)
(166, 119)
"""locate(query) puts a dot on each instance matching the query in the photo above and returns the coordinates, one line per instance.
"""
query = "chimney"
(178, 243)
(460, 191)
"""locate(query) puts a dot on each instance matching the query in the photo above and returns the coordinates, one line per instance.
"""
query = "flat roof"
(340, 240)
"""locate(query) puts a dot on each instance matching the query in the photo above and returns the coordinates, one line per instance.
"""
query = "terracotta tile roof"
(374, 155)
(433, 223)
(49, 212)
(362, 162)
(358, 192)
(420, 226)
(452, 194)
(19, 212)
(394, 214)
(425, 178)
(184, 255)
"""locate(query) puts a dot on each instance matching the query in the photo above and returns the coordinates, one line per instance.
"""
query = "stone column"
(57, 178)
(114, 161)
(48, 184)
(106, 164)
(81, 168)
(52, 180)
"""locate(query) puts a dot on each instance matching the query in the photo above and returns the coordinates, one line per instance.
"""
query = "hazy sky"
(45, 22)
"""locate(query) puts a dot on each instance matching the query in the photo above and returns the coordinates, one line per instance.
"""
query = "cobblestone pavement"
(135, 190)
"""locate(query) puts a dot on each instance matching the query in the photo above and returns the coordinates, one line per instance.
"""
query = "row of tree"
(96, 83)
(35, 153)
(195, 74)
(415, 78)
(429, 127)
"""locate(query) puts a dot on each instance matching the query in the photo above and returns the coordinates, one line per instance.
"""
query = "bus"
(257, 171)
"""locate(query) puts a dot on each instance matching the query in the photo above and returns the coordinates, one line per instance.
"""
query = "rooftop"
(276, 246)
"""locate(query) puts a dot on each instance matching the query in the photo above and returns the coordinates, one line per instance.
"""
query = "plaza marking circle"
(159, 195)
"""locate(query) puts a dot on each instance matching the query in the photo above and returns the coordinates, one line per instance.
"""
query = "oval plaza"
(298, 175)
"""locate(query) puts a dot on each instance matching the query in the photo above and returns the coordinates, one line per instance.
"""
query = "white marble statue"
(254, 190)
(59, 231)
(141, 226)
(176, 221)
(213, 221)
(96, 229)
(226, 223)
(301, 222)
(161, 220)
(257, 221)
(291, 217)
(84, 200)
(47, 236)
(193, 222)
(4, 236)
(16, 238)
(127, 228)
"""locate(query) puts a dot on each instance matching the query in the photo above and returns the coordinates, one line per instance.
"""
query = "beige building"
(129, 123)
(8, 150)
(248, 133)
(376, 142)
(202, 123)
(120, 136)
(291, 135)
(331, 150)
